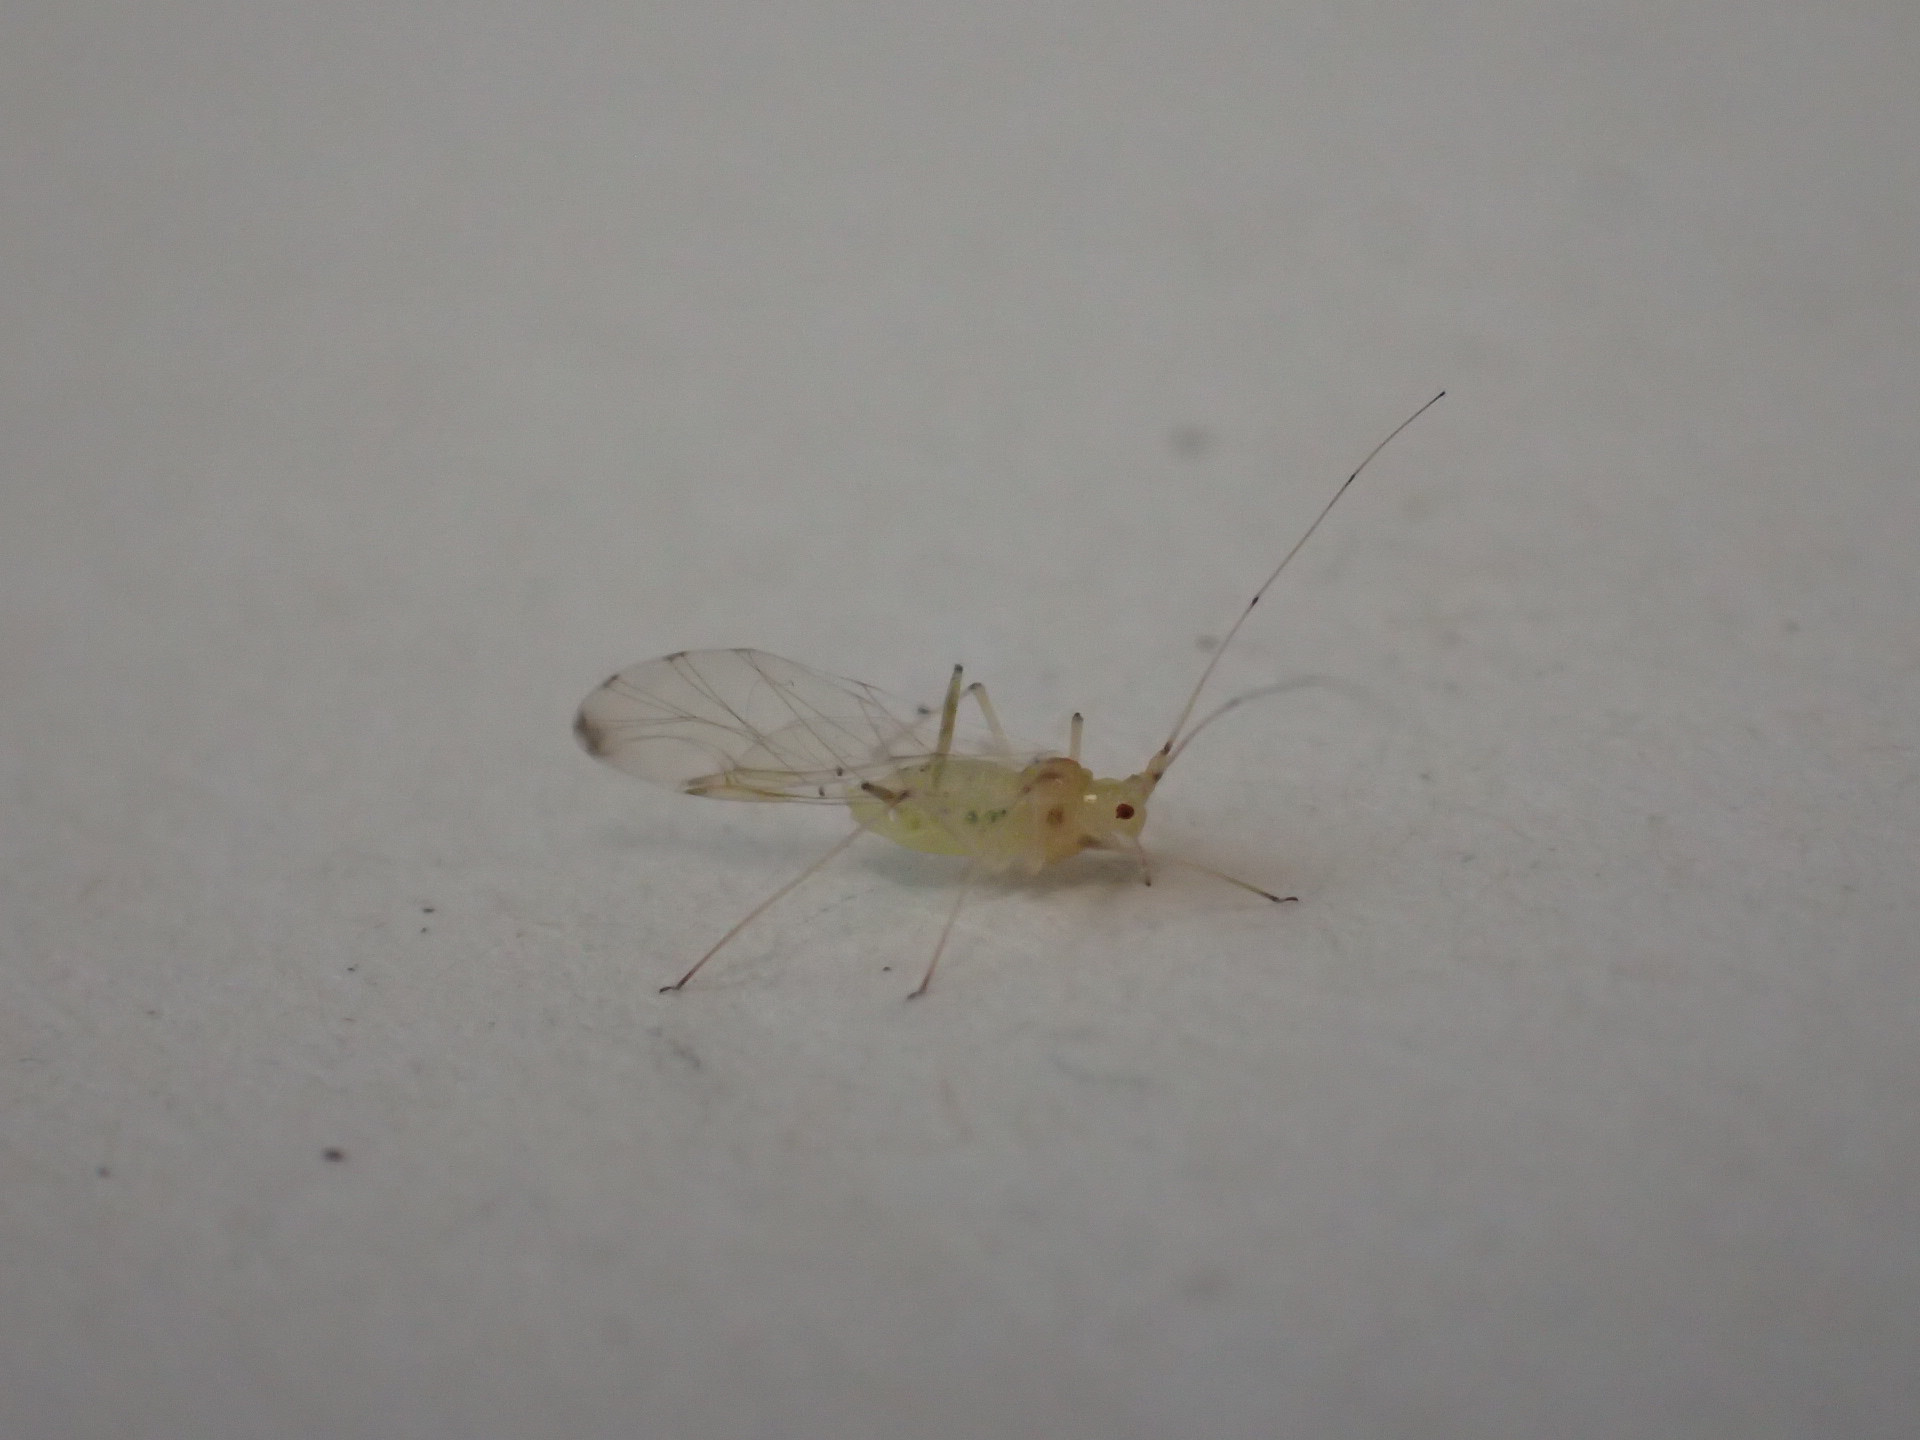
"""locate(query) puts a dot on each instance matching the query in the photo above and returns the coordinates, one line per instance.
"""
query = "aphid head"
(1114, 810)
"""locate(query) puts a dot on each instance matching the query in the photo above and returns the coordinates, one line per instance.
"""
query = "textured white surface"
(374, 380)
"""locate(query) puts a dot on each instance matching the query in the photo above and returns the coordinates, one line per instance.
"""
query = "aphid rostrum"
(746, 725)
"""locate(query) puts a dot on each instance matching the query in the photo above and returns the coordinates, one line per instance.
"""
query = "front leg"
(1134, 848)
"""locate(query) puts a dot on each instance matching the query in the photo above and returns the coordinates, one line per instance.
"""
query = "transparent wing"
(746, 725)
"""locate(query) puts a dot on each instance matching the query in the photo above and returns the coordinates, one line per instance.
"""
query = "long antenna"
(1163, 757)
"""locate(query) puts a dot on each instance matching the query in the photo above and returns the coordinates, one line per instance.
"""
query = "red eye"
(1123, 812)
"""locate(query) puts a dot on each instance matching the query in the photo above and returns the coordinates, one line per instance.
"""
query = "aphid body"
(746, 725)
(1000, 815)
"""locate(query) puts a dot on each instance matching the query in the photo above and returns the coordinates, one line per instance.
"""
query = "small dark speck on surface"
(1104, 1076)
(1206, 1285)
(423, 929)
(352, 968)
(686, 1054)
(334, 1154)
(103, 1172)
(426, 909)
(1190, 442)
(886, 969)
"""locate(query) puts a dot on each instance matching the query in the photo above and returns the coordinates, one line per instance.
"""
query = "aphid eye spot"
(1123, 812)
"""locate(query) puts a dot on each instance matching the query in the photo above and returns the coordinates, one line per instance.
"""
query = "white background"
(374, 379)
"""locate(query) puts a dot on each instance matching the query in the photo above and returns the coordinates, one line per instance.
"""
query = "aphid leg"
(1233, 880)
(760, 909)
(966, 884)
(949, 712)
(1000, 742)
(1074, 730)
(1139, 852)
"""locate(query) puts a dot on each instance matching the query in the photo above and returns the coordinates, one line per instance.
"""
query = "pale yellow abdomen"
(978, 807)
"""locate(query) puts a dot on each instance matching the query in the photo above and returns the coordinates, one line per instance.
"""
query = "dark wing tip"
(591, 735)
